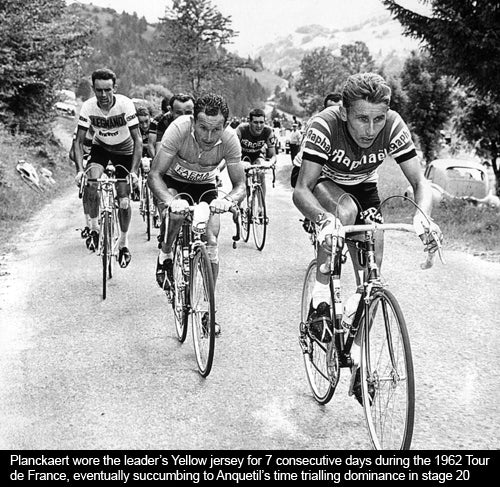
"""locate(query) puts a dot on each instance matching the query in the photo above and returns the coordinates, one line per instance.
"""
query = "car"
(455, 178)
(65, 108)
(282, 140)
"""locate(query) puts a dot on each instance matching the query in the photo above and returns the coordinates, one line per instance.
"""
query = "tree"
(478, 121)
(37, 43)
(462, 37)
(194, 34)
(429, 102)
(356, 58)
(321, 72)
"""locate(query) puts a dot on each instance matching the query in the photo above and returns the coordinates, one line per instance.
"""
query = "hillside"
(382, 35)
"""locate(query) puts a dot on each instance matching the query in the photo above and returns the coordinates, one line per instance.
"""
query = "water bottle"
(201, 215)
(350, 307)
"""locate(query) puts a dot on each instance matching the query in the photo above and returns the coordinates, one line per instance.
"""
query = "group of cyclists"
(191, 141)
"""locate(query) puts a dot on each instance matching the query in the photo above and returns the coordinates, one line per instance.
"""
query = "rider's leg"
(213, 229)
(124, 212)
(328, 194)
(91, 196)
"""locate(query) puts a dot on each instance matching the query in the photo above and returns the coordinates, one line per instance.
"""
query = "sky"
(260, 21)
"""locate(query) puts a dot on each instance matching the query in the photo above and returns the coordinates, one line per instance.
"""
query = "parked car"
(65, 108)
(455, 178)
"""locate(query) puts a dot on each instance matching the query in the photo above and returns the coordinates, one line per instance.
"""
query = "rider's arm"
(159, 167)
(237, 176)
(303, 196)
(421, 187)
(135, 133)
(271, 150)
(78, 148)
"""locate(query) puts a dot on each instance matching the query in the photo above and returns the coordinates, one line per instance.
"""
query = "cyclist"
(87, 144)
(144, 118)
(255, 136)
(172, 108)
(117, 139)
(342, 149)
(191, 150)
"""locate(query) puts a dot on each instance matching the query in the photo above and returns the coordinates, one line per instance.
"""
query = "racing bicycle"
(386, 371)
(109, 227)
(146, 207)
(253, 212)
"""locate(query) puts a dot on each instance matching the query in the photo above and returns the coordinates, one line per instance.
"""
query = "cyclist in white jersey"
(117, 139)
(342, 149)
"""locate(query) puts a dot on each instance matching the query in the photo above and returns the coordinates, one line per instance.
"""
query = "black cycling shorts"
(100, 155)
(199, 192)
(367, 198)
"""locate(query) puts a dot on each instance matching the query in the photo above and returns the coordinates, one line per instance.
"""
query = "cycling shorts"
(99, 155)
(368, 199)
(199, 192)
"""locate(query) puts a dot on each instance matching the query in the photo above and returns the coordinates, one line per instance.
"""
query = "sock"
(94, 224)
(123, 240)
(163, 256)
(87, 220)
(321, 292)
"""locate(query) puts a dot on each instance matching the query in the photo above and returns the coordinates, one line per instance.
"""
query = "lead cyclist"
(343, 147)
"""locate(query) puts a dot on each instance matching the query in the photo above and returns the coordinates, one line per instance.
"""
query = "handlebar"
(402, 227)
(262, 167)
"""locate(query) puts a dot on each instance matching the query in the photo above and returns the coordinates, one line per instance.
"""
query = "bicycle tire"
(315, 353)
(105, 252)
(147, 213)
(259, 218)
(180, 292)
(387, 376)
(245, 213)
(202, 301)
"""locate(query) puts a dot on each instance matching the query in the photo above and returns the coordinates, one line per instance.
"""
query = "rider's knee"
(213, 253)
(124, 203)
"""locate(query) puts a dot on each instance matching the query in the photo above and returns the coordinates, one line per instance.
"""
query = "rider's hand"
(246, 165)
(179, 206)
(135, 179)
(221, 205)
(78, 177)
(330, 226)
(429, 232)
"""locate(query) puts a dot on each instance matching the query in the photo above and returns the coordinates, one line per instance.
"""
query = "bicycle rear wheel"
(202, 301)
(387, 377)
(318, 356)
(259, 218)
(180, 292)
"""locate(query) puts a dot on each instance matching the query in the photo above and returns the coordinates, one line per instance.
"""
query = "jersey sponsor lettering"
(253, 145)
(193, 176)
(108, 122)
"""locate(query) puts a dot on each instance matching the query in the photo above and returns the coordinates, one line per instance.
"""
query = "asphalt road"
(77, 372)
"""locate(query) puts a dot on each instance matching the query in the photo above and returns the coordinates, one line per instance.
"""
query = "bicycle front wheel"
(259, 218)
(180, 292)
(147, 211)
(319, 358)
(202, 302)
(387, 378)
(106, 250)
(245, 221)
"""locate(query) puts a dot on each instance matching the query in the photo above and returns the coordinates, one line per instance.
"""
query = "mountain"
(381, 34)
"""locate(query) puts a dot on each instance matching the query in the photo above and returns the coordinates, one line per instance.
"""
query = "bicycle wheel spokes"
(245, 221)
(259, 218)
(388, 386)
(202, 310)
(147, 211)
(321, 361)
(179, 293)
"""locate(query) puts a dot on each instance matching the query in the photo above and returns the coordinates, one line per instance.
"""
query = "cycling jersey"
(252, 145)
(159, 124)
(112, 130)
(190, 163)
(327, 142)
